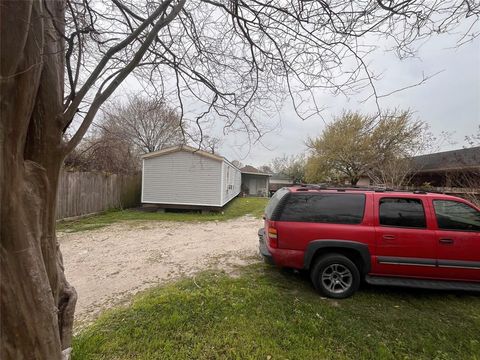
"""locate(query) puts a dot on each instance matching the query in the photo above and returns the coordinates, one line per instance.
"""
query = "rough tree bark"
(37, 303)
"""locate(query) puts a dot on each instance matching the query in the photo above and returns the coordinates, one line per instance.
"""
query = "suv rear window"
(274, 200)
(324, 208)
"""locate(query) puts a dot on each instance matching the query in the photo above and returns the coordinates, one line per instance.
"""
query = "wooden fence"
(447, 190)
(82, 193)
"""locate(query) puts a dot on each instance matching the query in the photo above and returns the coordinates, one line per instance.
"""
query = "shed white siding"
(232, 181)
(182, 178)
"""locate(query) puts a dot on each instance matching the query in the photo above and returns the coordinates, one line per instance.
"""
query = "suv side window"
(454, 215)
(402, 212)
(324, 208)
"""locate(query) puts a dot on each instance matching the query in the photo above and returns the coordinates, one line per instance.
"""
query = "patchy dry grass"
(238, 207)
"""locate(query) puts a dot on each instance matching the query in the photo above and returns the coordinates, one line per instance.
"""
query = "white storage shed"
(187, 177)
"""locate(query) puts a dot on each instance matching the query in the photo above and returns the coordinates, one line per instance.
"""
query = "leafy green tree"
(292, 166)
(356, 145)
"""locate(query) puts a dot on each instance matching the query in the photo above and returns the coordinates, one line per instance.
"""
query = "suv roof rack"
(307, 187)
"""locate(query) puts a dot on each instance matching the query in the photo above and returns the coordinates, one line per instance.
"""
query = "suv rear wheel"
(335, 276)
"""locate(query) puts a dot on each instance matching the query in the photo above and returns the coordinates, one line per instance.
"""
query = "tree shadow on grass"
(300, 280)
(403, 292)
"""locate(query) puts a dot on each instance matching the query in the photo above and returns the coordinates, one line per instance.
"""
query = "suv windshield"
(272, 204)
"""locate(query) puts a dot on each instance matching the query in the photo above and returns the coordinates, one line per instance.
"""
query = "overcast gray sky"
(450, 101)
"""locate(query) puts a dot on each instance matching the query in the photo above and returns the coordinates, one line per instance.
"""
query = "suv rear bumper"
(267, 257)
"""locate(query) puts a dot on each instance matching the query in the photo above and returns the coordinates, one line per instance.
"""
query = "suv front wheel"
(335, 276)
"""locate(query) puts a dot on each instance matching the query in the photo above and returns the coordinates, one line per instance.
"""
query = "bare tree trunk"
(37, 303)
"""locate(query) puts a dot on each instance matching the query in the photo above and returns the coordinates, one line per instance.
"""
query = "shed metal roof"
(187, 148)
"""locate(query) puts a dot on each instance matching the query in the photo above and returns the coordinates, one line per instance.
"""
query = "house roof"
(253, 171)
(460, 159)
(186, 148)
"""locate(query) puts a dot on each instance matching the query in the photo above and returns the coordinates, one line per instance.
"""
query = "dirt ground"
(108, 265)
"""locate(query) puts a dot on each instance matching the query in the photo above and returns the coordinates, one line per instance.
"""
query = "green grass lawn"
(266, 313)
(237, 207)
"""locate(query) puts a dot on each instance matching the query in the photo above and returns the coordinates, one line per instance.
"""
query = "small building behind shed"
(254, 181)
(278, 181)
(185, 177)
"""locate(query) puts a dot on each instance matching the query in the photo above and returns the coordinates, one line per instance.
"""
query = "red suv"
(342, 236)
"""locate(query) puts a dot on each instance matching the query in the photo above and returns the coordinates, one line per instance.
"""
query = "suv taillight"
(272, 237)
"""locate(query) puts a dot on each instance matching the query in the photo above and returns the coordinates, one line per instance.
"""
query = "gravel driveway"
(109, 264)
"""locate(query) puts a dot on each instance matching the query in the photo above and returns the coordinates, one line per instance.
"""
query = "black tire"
(335, 276)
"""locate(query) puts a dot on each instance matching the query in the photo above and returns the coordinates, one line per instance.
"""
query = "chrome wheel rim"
(337, 278)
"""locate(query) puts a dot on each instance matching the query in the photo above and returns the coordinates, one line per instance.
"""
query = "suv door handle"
(446, 241)
(389, 237)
